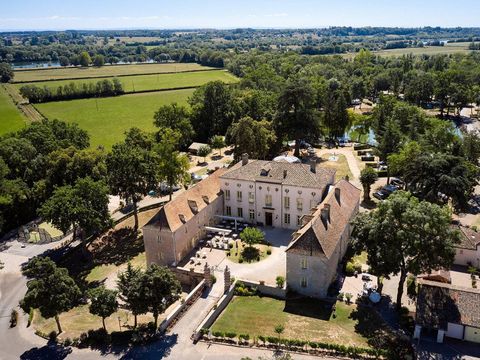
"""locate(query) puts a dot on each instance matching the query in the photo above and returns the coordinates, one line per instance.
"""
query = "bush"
(230, 334)
(67, 342)
(213, 278)
(340, 296)
(245, 337)
(30, 316)
(348, 297)
(280, 280)
(52, 336)
(349, 269)
(269, 252)
(357, 267)
(98, 337)
(262, 338)
(13, 318)
(240, 260)
(218, 334)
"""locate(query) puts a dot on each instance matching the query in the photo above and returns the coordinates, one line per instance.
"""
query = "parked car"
(164, 188)
(366, 277)
(390, 189)
(397, 182)
(380, 195)
(195, 178)
(304, 145)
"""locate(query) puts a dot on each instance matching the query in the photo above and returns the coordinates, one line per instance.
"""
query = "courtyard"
(267, 269)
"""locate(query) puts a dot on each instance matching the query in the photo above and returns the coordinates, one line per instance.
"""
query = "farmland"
(10, 117)
(104, 71)
(107, 123)
(153, 82)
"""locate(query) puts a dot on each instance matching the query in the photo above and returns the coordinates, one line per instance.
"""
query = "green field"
(108, 70)
(11, 118)
(448, 49)
(153, 82)
(107, 124)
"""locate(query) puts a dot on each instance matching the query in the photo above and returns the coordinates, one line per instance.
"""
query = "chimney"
(284, 173)
(244, 159)
(325, 213)
(313, 165)
(337, 194)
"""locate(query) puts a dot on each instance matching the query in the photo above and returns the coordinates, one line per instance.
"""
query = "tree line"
(102, 88)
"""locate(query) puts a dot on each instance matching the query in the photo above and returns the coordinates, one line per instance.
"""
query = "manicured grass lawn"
(79, 320)
(341, 165)
(101, 272)
(50, 229)
(11, 119)
(305, 319)
(152, 82)
(115, 115)
(107, 70)
(236, 251)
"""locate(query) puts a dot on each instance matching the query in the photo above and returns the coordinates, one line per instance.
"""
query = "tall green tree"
(162, 289)
(6, 72)
(51, 290)
(217, 142)
(131, 292)
(84, 59)
(405, 235)
(175, 117)
(103, 303)
(296, 117)
(132, 171)
(251, 137)
(172, 166)
(368, 176)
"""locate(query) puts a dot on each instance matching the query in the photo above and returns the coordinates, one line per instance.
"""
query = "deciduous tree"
(103, 303)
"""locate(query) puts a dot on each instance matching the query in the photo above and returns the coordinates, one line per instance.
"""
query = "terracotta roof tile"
(184, 207)
(322, 236)
(469, 238)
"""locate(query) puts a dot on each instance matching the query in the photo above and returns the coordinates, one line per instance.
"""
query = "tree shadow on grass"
(51, 351)
(308, 307)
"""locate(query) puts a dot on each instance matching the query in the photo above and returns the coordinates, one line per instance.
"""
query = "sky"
(182, 14)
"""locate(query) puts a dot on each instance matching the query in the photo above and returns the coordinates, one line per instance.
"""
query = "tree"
(162, 289)
(103, 303)
(405, 235)
(82, 206)
(471, 146)
(280, 280)
(131, 292)
(217, 142)
(175, 117)
(50, 289)
(132, 171)
(390, 141)
(213, 109)
(368, 176)
(203, 151)
(252, 236)
(296, 117)
(251, 137)
(6, 72)
(99, 60)
(172, 166)
(84, 59)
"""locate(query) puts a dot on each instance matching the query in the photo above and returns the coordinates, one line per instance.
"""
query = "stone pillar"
(207, 275)
(440, 335)
(417, 332)
(227, 279)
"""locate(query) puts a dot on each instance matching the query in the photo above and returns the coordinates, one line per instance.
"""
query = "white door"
(455, 331)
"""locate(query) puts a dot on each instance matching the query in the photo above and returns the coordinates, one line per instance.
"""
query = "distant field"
(115, 115)
(135, 39)
(108, 70)
(453, 48)
(154, 82)
(11, 118)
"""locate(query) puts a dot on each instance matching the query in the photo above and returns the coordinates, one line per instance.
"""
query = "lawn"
(304, 319)
(79, 320)
(107, 119)
(101, 272)
(152, 82)
(11, 119)
(341, 165)
(107, 70)
(235, 253)
(453, 48)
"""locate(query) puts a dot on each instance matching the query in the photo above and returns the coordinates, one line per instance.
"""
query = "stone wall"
(268, 290)
(187, 277)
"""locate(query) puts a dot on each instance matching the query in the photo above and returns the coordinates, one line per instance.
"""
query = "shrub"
(244, 337)
(349, 269)
(348, 297)
(218, 334)
(240, 260)
(340, 296)
(280, 280)
(230, 334)
(262, 338)
(357, 267)
(213, 278)
(30, 316)
(67, 342)
(269, 252)
(13, 318)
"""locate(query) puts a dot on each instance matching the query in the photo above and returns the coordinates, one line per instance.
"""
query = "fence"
(178, 310)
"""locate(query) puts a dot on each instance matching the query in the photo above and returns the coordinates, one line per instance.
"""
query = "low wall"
(191, 297)
(187, 277)
(214, 312)
(268, 290)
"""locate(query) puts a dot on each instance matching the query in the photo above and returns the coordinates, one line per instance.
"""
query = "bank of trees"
(36, 94)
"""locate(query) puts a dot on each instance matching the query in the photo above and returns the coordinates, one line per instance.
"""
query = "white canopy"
(218, 230)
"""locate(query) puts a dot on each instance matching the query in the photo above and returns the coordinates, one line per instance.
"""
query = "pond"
(35, 64)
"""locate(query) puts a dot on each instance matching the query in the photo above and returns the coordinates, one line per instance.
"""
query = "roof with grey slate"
(281, 173)
(439, 303)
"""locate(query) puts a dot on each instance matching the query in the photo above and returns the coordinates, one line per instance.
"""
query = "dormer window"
(193, 206)
(205, 199)
(182, 218)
